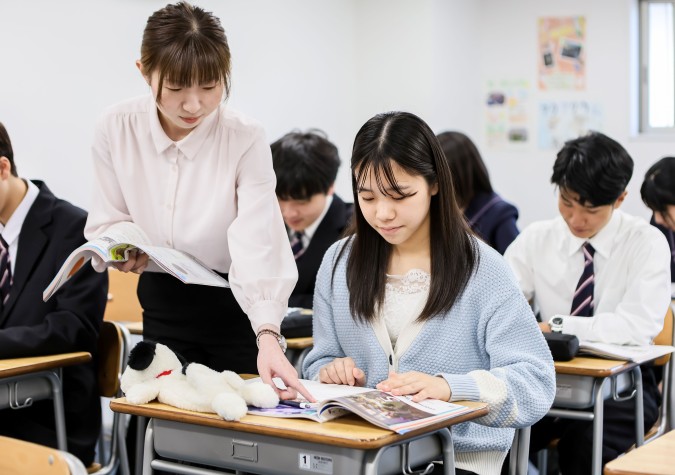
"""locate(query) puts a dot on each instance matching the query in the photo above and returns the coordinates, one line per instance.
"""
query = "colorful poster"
(506, 112)
(562, 53)
(560, 121)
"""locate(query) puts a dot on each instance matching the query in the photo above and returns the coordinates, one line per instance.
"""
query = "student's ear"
(331, 190)
(139, 65)
(620, 199)
(434, 189)
(5, 168)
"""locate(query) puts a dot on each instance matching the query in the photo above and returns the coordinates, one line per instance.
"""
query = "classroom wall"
(508, 50)
(330, 64)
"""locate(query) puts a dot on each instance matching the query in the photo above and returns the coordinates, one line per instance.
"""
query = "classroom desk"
(297, 350)
(580, 387)
(654, 458)
(270, 445)
(135, 328)
(26, 380)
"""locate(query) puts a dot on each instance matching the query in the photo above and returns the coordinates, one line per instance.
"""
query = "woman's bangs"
(193, 66)
(382, 171)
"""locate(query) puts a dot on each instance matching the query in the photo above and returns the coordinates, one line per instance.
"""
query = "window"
(657, 61)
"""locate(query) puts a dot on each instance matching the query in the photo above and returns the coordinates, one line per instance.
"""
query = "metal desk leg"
(59, 416)
(141, 424)
(149, 449)
(598, 414)
(639, 408)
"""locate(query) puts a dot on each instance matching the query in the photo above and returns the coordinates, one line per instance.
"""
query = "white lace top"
(404, 299)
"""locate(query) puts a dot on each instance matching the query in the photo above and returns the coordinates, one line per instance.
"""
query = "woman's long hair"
(405, 139)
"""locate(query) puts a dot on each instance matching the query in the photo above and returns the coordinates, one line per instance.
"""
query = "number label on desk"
(315, 463)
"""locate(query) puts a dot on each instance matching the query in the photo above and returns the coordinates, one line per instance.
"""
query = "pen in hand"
(298, 404)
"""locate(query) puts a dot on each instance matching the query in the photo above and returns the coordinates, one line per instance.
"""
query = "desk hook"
(405, 464)
(14, 397)
(615, 393)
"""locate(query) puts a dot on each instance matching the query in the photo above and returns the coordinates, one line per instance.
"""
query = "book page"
(637, 354)
(397, 413)
(183, 266)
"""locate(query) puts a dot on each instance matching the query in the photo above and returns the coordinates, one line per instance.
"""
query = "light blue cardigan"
(488, 348)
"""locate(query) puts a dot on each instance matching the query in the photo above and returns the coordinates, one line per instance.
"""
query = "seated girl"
(413, 304)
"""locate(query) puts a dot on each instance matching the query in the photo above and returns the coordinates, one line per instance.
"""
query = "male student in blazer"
(306, 165)
(597, 273)
(40, 231)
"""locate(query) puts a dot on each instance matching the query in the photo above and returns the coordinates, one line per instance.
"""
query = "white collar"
(11, 230)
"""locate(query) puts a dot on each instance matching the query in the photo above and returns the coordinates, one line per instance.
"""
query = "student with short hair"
(195, 175)
(37, 233)
(658, 193)
(414, 304)
(488, 215)
(306, 165)
(597, 273)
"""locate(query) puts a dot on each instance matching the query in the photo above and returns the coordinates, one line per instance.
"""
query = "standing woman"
(490, 217)
(658, 193)
(414, 304)
(195, 175)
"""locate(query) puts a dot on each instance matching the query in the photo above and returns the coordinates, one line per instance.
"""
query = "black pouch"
(297, 323)
(563, 347)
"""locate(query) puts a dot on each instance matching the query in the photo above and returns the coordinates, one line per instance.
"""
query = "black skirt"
(203, 324)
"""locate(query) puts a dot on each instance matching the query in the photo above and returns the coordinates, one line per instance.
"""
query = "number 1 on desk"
(315, 463)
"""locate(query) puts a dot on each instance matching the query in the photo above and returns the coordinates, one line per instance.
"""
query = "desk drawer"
(576, 392)
(275, 455)
(37, 389)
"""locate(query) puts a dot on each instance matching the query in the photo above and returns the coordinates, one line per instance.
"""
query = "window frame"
(644, 93)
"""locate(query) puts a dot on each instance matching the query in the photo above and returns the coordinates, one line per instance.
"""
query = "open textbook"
(397, 413)
(118, 242)
(636, 354)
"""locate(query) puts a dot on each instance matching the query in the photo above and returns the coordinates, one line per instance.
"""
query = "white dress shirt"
(309, 231)
(210, 194)
(632, 277)
(10, 231)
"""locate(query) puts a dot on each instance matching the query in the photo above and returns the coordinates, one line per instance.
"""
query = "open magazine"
(117, 243)
(636, 354)
(397, 413)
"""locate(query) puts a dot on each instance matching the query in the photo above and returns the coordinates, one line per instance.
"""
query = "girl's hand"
(137, 262)
(422, 386)
(342, 371)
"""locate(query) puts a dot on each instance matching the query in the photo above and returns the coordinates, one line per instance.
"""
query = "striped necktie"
(297, 246)
(5, 271)
(582, 304)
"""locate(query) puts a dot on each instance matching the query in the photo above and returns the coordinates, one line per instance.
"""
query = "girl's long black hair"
(405, 139)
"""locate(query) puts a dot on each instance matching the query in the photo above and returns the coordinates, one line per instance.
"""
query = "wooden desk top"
(654, 458)
(348, 431)
(590, 366)
(299, 343)
(135, 328)
(19, 366)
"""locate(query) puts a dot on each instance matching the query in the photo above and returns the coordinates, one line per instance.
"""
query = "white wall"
(330, 64)
(508, 35)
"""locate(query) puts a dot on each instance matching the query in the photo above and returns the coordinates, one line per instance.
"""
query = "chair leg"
(542, 461)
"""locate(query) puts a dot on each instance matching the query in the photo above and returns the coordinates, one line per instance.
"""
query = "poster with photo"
(560, 121)
(506, 113)
(562, 53)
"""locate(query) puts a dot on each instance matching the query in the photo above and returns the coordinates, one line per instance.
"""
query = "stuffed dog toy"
(156, 372)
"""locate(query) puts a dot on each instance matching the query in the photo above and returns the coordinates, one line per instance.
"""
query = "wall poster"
(562, 53)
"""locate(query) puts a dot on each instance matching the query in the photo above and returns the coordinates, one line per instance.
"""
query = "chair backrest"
(113, 351)
(112, 348)
(123, 304)
(665, 337)
(20, 457)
